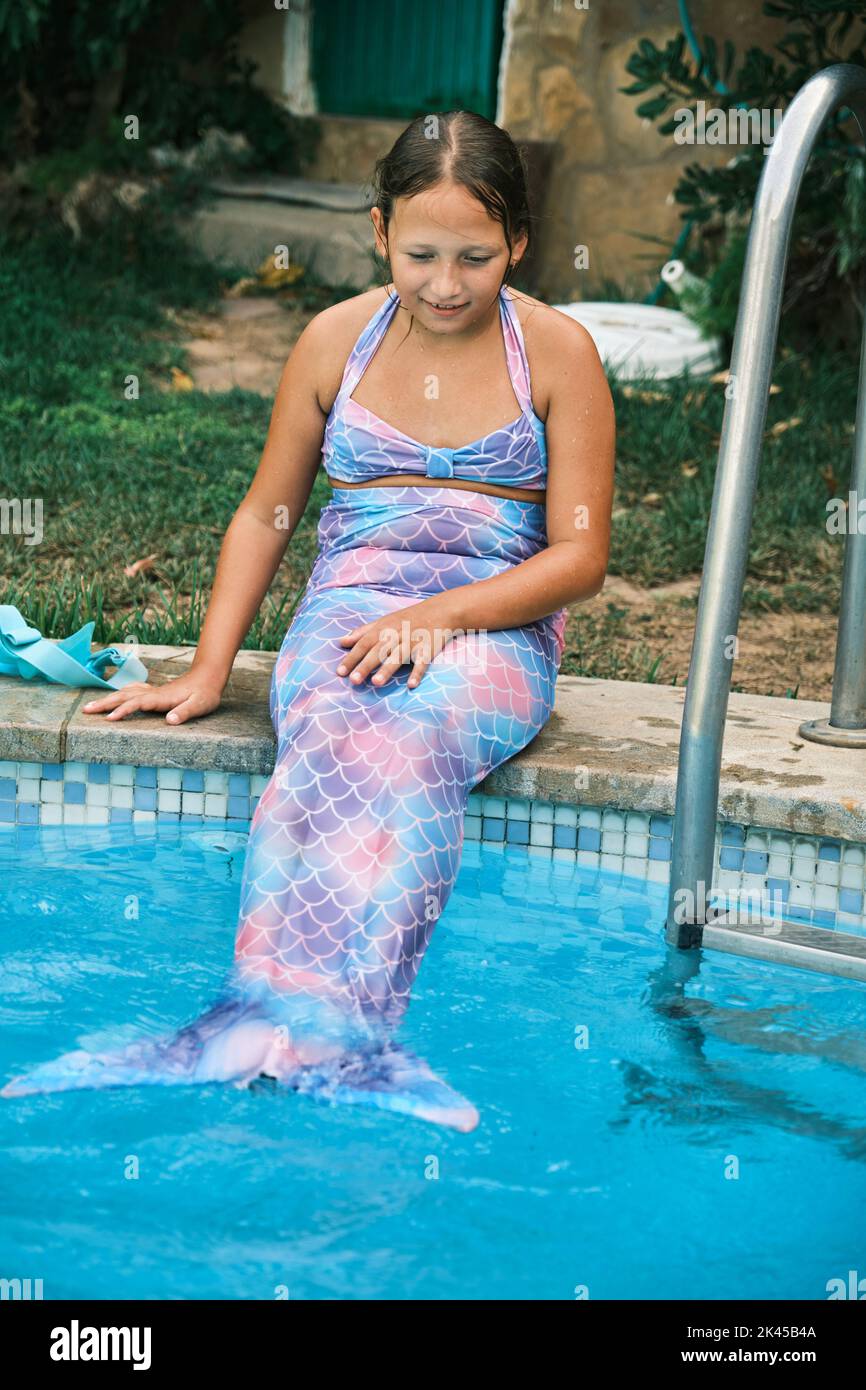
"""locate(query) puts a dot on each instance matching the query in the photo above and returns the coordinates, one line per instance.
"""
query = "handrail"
(726, 553)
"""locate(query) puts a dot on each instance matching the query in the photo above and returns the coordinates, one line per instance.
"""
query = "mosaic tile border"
(820, 880)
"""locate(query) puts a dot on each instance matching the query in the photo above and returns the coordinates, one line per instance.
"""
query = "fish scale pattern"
(355, 842)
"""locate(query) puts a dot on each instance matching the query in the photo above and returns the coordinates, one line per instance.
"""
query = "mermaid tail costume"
(355, 842)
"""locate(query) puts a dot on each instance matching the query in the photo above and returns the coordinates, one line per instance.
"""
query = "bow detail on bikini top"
(359, 445)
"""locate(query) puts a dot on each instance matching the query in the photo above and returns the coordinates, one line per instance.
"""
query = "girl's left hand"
(416, 634)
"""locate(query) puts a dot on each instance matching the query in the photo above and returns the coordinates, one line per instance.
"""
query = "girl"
(426, 647)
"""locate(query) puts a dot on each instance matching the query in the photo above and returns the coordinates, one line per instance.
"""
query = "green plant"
(69, 75)
(825, 285)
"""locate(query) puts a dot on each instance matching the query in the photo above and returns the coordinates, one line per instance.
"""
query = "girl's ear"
(379, 228)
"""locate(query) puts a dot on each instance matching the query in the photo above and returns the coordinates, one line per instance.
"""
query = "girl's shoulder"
(553, 341)
(332, 333)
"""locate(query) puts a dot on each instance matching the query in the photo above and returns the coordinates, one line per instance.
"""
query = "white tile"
(853, 854)
(613, 819)
(168, 800)
(590, 818)
(142, 817)
(216, 804)
(97, 793)
(258, 782)
(216, 782)
(637, 822)
(540, 834)
(11, 769)
(472, 828)
(658, 870)
(565, 815)
(29, 769)
(800, 894)
(826, 898)
(121, 797)
(542, 812)
(192, 803)
(169, 778)
(120, 774)
(780, 844)
(612, 841)
(827, 871)
(588, 858)
(517, 808)
(74, 815)
(635, 865)
(96, 815)
(51, 793)
(637, 845)
(851, 876)
(75, 772)
(566, 856)
(28, 789)
(50, 815)
(611, 861)
(757, 840)
(778, 866)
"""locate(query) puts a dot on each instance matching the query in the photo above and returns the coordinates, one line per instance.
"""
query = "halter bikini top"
(357, 445)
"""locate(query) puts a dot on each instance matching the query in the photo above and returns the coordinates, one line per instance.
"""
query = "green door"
(405, 58)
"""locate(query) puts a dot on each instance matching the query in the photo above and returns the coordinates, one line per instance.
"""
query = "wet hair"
(466, 149)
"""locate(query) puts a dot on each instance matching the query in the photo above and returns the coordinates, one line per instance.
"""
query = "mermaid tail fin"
(303, 1045)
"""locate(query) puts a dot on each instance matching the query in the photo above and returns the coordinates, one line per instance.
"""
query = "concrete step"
(335, 247)
(336, 197)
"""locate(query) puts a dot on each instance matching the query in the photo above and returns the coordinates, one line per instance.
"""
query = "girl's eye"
(425, 256)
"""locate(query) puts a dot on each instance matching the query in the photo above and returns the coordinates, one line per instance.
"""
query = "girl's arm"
(254, 543)
(581, 443)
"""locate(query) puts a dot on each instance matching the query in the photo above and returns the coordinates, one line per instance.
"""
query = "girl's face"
(445, 250)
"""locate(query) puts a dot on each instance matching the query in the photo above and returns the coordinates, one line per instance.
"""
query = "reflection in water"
(705, 1092)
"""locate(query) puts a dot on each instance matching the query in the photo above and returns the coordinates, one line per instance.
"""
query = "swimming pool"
(653, 1124)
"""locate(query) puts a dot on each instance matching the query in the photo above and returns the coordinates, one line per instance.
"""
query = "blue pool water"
(605, 1167)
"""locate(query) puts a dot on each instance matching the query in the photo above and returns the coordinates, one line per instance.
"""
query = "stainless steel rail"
(726, 554)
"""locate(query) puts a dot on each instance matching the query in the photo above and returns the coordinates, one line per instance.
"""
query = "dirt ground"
(625, 627)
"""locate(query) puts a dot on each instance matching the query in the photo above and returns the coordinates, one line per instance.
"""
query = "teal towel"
(26, 653)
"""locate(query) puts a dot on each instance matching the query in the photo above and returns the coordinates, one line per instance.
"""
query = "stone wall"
(612, 173)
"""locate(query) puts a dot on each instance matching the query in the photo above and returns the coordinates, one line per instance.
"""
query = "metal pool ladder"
(726, 555)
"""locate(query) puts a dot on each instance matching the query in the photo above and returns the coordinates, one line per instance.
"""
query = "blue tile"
(733, 834)
(28, 813)
(7, 788)
(119, 815)
(492, 828)
(755, 861)
(587, 838)
(192, 781)
(850, 900)
(254, 801)
(7, 810)
(780, 886)
(238, 807)
(564, 836)
(144, 799)
(517, 832)
(659, 849)
(145, 777)
(822, 917)
(98, 773)
(830, 849)
(239, 784)
(730, 858)
(661, 825)
(74, 793)
(798, 913)
(52, 772)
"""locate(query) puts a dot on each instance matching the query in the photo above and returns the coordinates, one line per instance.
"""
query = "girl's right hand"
(187, 697)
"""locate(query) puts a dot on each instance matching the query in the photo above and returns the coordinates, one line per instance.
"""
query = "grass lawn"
(123, 477)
